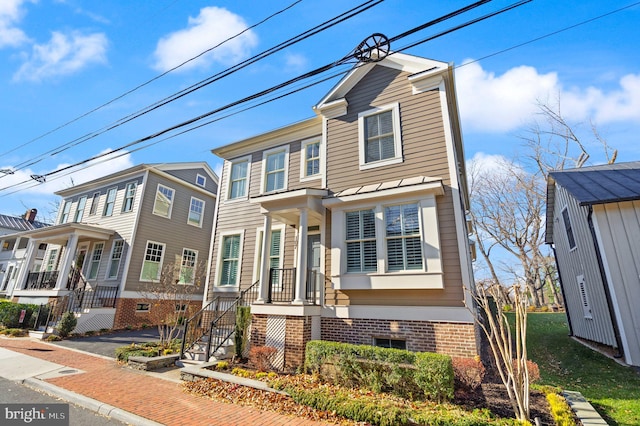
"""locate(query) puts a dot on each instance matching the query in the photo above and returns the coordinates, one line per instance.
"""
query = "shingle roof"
(19, 223)
(608, 183)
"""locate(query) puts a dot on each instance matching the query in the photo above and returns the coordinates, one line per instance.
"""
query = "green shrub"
(144, 349)
(243, 319)
(15, 332)
(404, 373)
(10, 314)
(67, 323)
(53, 338)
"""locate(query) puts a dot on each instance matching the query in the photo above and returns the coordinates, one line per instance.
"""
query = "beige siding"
(581, 261)
(618, 225)
(425, 154)
(175, 232)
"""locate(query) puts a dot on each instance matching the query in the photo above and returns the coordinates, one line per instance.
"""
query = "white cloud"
(10, 14)
(90, 171)
(501, 103)
(212, 26)
(63, 55)
(295, 62)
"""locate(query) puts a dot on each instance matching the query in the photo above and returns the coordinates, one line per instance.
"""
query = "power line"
(300, 37)
(128, 92)
(346, 59)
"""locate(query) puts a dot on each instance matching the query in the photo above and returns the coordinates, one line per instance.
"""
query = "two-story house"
(115, 235)
(13, 248)
(351, 224)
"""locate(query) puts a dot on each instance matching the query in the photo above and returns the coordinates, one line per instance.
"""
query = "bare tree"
(171, 297)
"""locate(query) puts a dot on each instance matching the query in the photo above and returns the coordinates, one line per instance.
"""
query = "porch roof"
(383, 189)
(58, 234)
(285, 206)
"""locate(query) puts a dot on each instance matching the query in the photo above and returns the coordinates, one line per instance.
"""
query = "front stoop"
(583, 410)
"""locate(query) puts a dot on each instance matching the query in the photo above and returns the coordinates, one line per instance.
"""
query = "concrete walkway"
(135, 397)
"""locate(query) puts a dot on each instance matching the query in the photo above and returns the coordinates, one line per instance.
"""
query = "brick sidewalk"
(150, 397)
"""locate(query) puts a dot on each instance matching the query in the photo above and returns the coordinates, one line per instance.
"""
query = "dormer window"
(380, 139)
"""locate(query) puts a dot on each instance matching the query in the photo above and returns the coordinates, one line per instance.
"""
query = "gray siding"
(619, 234)
(582, 260)
(175, 232)
(189, 176)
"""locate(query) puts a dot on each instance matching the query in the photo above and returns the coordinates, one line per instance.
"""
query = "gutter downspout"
(607, 292)
(555, 256)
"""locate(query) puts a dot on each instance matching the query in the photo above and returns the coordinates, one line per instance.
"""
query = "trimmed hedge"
(10, 314)
(404, 373)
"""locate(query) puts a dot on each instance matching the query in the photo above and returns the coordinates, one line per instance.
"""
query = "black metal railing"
(213, 315)
(41, 280)
(282, 285)
(312, 289)
(76, 280)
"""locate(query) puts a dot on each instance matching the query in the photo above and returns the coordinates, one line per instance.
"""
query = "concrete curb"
(583, 410)
(90, 403)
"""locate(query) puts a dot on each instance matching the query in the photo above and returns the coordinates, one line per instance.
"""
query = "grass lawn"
(614, 390)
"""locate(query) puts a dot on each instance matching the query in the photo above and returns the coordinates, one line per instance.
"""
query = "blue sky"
(63, 58)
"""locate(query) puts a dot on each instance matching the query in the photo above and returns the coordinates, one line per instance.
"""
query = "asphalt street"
(107, 344)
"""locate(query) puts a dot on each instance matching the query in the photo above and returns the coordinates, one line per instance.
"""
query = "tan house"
(350, 226)
(114, 236)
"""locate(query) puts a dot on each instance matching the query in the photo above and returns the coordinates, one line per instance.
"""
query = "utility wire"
(300, 37)
(128, 92)
(344, 60)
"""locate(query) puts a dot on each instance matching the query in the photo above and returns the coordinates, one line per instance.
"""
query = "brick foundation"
(127, 316)
(297, 334)
(455, 339)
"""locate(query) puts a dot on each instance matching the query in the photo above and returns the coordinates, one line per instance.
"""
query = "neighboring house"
(113, 238)
(352, 223)
(13, 249)
(593, 223)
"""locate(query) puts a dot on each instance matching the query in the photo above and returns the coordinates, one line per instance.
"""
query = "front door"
(313, 265)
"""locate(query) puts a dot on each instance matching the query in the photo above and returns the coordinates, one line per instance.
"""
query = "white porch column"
(301, 269)
(264, 261)
(27, 262)
(69, 253)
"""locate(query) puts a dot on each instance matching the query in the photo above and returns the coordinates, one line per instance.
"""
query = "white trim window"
(360, 241)
(95, 199)
(239, 172)
(129, 196)
(568, 229)
(82, 203)
(152, 264)
(64, 217)
(164, 201)
(52, 260)
(114, 259)
(110, 202)
(380, 141)
(196, 212)
(274, 169)
(310, 158)
(188, 266)
(402, 237)
(230, 257)
(201, 180)
(94, 263)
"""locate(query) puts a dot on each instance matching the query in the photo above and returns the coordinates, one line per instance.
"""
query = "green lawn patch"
(614, 390)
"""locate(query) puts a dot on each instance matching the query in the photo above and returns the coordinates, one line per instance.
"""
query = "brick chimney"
(30, 215)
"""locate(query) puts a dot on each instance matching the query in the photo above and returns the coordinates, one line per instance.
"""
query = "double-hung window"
(310, 155)
(188, 266)
(65, 212)
(164, 201)
(152, 265)
(239, 178)
(114, 261)
(94, 203)
(110, 202)
(129, 196)
(230, 260)
(361, 241)
(402, 228)
(82, 203)
(94, 264)
(380, 139)
(274, 166)
(52, 260)
(196, 212)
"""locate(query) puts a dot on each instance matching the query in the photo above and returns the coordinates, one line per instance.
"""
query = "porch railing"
(282, 286)
(41, 280)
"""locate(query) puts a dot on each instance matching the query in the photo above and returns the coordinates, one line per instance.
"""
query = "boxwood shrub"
(408, 374)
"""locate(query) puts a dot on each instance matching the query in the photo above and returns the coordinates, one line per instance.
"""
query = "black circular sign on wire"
(372, 49)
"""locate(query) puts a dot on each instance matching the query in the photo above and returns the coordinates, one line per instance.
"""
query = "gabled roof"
(609, 183)
(19, 223)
